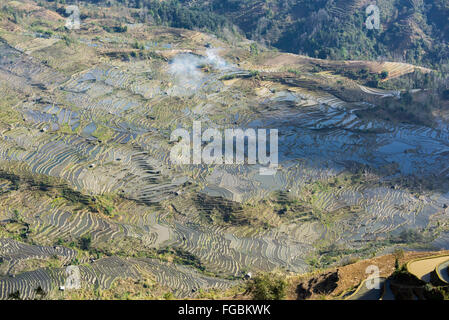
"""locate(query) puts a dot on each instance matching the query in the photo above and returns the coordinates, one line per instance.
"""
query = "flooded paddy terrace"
(105, 130)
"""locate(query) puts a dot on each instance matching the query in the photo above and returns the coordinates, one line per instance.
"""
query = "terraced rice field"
(443, 271)
(102, 128)
(13, 253)
(183, 281)
(423, 268)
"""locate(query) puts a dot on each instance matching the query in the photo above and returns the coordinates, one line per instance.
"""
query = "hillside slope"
(414, 31)
(86, 177)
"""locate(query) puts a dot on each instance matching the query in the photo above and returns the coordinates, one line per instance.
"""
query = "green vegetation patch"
(268, 286)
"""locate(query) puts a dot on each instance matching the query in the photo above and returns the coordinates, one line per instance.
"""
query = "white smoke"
(186, 68)
(215, 60)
